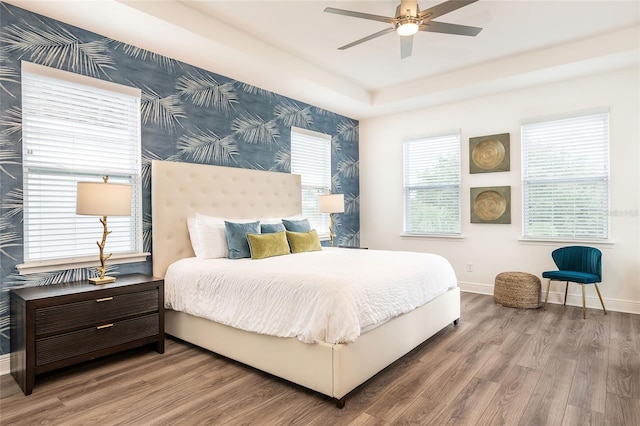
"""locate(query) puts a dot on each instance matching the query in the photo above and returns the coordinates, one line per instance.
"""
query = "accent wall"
(188, 114)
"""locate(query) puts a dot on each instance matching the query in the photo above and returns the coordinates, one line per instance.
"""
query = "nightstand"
(59, 325)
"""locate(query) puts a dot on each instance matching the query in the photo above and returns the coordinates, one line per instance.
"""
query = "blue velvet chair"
(577, 264)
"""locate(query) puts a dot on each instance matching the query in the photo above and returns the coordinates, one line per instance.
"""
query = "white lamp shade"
(103, 199)
(331, 203)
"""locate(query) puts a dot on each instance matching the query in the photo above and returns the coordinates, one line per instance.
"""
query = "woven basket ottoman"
(517, 290)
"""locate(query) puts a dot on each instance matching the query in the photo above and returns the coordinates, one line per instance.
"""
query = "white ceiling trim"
(177, 31)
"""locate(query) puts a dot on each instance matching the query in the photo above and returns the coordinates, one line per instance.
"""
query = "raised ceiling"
(290, 47)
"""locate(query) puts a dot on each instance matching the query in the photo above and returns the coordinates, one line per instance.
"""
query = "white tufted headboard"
(180, 190)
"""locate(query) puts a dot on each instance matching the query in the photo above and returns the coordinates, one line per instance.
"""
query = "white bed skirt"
(333, 370)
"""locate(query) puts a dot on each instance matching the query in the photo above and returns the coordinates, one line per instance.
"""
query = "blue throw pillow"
(271, 228)
(297, 225)
(237, 238)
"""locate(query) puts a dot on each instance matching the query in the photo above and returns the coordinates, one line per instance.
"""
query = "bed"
(180, 190)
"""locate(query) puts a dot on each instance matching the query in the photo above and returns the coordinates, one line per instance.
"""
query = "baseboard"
(5, 367)
(557, 297)
(476, 288)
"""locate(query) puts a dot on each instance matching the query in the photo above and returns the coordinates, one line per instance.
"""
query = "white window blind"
(432, 185)
(565, 178)
(76, 131)
(311, 159)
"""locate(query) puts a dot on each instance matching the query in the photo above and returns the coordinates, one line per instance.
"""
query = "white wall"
(496, 248)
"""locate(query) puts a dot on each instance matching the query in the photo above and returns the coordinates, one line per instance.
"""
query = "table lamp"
(331, 203)
(103, 199)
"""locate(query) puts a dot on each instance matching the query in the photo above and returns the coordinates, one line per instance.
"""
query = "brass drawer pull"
(104, 299)
(100, 327)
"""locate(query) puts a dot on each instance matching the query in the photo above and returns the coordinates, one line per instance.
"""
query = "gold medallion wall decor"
(489, 154)
(491, 204)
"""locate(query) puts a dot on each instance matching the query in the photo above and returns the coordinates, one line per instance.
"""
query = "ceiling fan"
(409, 20)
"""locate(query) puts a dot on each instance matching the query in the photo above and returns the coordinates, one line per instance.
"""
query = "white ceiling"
(290, 47)
(302, 29)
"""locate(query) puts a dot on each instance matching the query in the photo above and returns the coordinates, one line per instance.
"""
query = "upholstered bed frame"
(179, 190)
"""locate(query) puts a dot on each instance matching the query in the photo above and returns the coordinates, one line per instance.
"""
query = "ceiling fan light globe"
(407, 29)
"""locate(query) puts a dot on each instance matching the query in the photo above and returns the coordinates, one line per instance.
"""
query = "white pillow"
(212, 237)
(193, 236)
(269, 220)
(275, 220)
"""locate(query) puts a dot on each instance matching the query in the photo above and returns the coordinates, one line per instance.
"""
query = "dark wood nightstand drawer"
(96, 311)
(59, 325)
(62, 346)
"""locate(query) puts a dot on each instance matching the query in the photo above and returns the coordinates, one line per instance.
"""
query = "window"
(76, 128)
(565, 178)
(311, 159)
(432, 185)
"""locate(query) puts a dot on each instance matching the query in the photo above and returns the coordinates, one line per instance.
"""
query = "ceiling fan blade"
(445, 28)
(443, 8)
(406, 45)
(360, 15)
(367, 38)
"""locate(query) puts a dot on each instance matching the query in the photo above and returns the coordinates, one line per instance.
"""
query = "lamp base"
(105, 280)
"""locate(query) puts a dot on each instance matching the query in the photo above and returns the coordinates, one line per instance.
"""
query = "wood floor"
(499, 366)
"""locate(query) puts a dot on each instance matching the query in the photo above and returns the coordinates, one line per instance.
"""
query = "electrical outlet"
(469, 267)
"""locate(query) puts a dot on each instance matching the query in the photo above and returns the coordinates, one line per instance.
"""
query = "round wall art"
(491, 204)
(489, 154)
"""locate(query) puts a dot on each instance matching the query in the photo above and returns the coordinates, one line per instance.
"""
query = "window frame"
(46, 166)
(455, 184)
(593, 178)
(317, 220)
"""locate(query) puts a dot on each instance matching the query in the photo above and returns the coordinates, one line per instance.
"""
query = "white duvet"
(329, 295)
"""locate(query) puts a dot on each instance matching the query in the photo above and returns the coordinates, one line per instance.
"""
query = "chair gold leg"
(584, 309)
(601, 302)
(546, 296)
(566, 290)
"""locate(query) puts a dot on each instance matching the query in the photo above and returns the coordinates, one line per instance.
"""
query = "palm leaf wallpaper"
(205, 91)
(188, 114)
(165, 112)
(254, 130)
(49, 43)
(290, 114)
(207, 148)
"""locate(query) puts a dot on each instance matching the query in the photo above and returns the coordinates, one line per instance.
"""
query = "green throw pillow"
(268, 245)
(304, 241)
